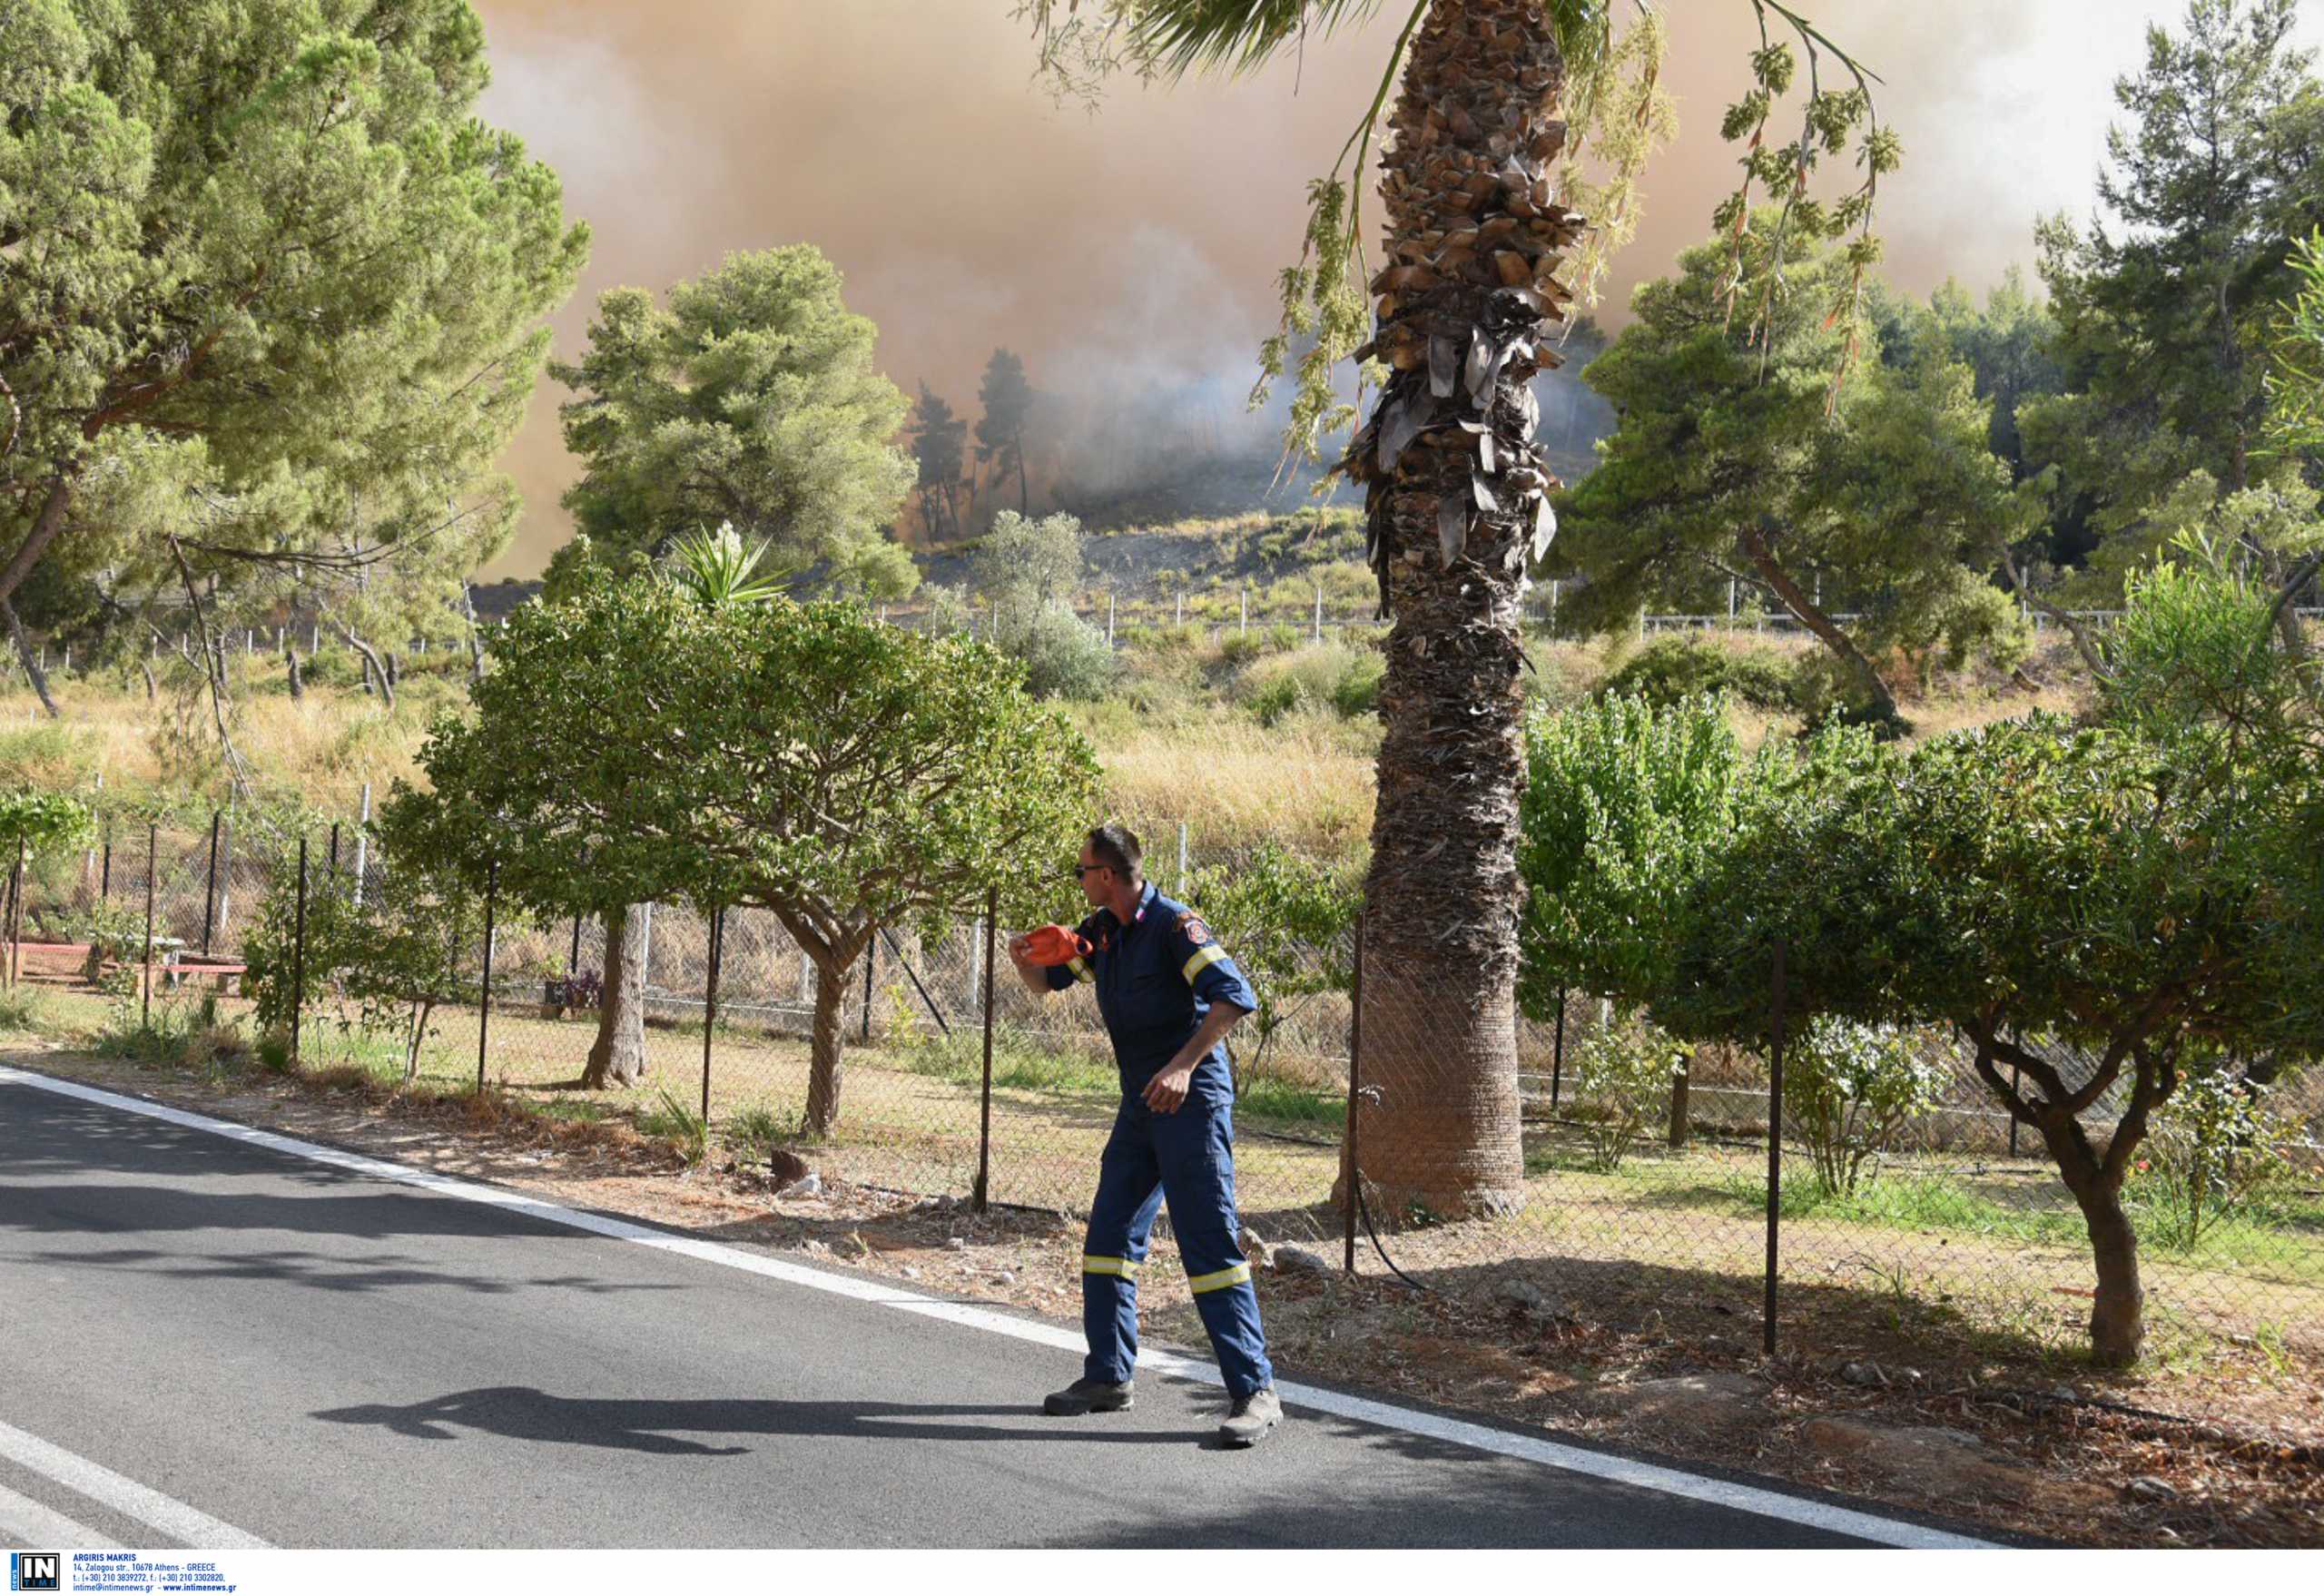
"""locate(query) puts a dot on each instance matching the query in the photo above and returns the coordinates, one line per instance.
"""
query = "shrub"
(1275, 699)
(1064, 656)
(1849, 1089)
(1623, 1070)
(2213, 1148)
(1671, 670)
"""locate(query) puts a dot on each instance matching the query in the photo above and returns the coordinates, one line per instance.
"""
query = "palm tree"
(1481, 256)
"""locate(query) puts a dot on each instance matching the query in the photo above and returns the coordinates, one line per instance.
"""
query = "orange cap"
(1053, 944)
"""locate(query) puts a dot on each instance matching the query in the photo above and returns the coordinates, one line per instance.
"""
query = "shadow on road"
(520, 1413)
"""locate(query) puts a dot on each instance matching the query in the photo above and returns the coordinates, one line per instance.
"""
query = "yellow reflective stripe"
(1125, 1268)
(1219, 1280)
(1204, 957)
(1080, 971)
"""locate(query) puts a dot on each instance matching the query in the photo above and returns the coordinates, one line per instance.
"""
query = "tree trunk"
(39, 677)
(476, 643)
(1456, 505)
(46, 524)
(617, 1058)
(823, 1066)
(1811, 616)
(298, 684)
(2118, 1313)
(395, 678)
(372, 668)
(1024, 494)
(2118, 1310)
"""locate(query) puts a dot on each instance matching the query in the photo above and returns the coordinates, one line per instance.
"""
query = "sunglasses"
(1081, 870)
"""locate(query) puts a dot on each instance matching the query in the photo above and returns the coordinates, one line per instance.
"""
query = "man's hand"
(1034, 977)
(1166, 1092)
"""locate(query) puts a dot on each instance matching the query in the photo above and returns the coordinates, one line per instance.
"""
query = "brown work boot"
(1087, 1396)
(1251, 1418)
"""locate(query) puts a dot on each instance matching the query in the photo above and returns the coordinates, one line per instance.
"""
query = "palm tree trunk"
(1456, 507)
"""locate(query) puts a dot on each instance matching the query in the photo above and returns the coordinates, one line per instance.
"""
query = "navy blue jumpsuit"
(1156, 979)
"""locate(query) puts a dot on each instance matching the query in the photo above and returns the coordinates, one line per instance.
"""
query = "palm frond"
(1183, 37)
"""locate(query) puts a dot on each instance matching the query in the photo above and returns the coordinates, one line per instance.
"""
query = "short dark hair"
(1115, 846)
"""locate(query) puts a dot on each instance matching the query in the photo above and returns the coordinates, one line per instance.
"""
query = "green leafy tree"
(2164, 305)
(1735, 460)
(1627, 804)
(272, 293)
(753, 399)
(802, 758)
(1008, 401)
(1287, 918)
(1027, 563)
(2103, 911)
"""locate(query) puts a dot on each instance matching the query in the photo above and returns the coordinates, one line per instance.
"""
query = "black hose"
(1364, 1209)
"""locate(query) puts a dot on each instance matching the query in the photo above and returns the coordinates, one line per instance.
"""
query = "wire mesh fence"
(1610, 1160)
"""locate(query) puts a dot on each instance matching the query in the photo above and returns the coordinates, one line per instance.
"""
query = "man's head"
(1108, 866)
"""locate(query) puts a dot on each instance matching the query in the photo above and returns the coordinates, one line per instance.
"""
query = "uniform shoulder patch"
(1196, 932)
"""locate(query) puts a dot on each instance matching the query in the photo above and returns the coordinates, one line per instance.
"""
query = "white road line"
(27, 1526)
(141, 1503)
(1670, 1482)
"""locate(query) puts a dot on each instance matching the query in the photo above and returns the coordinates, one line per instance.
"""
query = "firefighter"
(1168, 994)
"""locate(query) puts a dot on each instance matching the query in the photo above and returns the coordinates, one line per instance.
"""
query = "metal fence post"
(573, 957)
(709, 1002)
(105, 874)
(1775, 1144)
(1349, 1172)
(14, 916)
(152, 847)
(484, 1017)
(299, 959)
(871, 958)
(334, 850)
(209, 889)
(984, 1119)
(1557, 1055)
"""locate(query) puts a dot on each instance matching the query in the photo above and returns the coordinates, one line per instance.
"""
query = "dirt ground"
(2219, 1441)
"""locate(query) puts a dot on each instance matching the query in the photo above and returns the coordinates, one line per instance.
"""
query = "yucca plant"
(719, 570)
(1486, 243)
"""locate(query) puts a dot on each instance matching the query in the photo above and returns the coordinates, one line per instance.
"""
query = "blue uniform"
(1156, 979)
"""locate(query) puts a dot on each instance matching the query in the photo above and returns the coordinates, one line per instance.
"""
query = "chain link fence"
(1614, 1166)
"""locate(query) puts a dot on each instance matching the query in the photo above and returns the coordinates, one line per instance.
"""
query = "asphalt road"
(323, 1358)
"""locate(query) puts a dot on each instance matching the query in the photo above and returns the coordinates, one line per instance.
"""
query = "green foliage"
(1849, 1089)
(716, 568)
(1626, 806)
(1063, 655)
(1670, 671)
(1287, 920)
(40, 821)
(284, 291)
(1027, 563)
(631, 744)
(1622, 1072)
(2166, 305)
(679, 1124)
(1733, 455)
(2215, 1148)
(752, 398)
